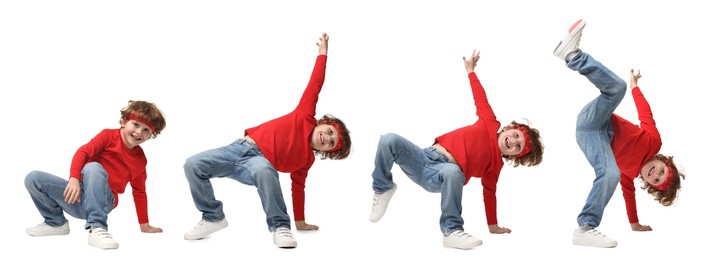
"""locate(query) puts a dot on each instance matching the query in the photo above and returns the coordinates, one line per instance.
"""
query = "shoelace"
(595, 233)
(283, 232)
(461, 234)
(376, 199)
(102, 233)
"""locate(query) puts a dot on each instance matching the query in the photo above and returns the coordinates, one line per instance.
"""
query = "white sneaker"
(593, 238)
(100, 238)
(461, 240)
(205, 228)
(570, 42)
(283, 238)
(380, 202)
(46, 230)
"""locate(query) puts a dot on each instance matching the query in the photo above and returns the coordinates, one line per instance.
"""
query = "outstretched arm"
(483, 109)
(644, 111)
(307, 103)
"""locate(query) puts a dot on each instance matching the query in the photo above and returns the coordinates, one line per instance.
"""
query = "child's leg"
(47, 192)
(597, 113)
(264, 176)
(214, 163)
(596, 147)
(97, 197)
(392, 149)
(447, 179)
(594, 134)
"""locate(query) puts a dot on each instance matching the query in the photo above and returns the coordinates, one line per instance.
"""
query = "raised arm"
(644, 111)
(483, 109)
(307, 104)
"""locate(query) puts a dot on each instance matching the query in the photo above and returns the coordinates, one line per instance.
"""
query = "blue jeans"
(242, 161)
(428, 168)
(594, 133)
(47, 192)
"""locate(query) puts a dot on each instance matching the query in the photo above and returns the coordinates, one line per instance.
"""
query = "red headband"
(670, 176)
(340, 138)
(528, 147)
(133, 116)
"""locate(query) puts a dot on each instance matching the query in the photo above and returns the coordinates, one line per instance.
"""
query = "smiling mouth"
(507, 142)
(649, 173)
(321, 138)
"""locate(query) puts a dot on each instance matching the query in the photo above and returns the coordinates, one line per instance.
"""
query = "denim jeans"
(242, 161)
(594, 133)
(47, 192)
(428, 168)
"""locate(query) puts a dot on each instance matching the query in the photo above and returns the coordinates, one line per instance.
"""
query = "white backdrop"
(218, 67)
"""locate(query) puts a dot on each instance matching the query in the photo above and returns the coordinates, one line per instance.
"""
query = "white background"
(216, 68)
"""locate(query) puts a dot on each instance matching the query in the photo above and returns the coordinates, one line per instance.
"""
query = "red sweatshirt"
(285, 141)
(633, 146)
(122, 164)
(475, 148)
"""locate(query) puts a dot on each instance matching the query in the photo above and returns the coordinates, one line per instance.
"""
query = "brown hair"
(147, 112)
(346, 139)
(667, 196)
(534, 157)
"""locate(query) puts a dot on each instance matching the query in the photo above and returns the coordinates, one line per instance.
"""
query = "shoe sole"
(287, 245)
(104, 246)
(575, 28)
(384, 209)
(41, 234)
(475, 244)
(579, 243)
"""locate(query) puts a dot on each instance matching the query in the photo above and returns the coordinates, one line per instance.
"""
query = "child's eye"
(656, 180)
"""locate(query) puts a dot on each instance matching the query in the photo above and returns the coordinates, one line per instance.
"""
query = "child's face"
(134, 133)
(655, 172)
(511, 142)
(324, 138)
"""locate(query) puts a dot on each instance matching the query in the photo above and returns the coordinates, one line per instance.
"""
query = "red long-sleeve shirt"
(285, 141)
(475, 148)
(633, 146)
(122, 164)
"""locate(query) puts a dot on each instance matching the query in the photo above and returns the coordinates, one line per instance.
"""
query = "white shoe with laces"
(461, 240)
(46, 230)
(205, 228)
(593, 238)
(283, 238)
(380, 202)
(100, 238)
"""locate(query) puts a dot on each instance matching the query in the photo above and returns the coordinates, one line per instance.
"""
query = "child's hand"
(72, 192)
(302, 225)
(634, 77)
(323, 44)
(471, 63)
(495, 229)
(638, 227)
(146, 228)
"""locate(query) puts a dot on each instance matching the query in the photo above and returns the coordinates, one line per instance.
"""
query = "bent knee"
(389, 139)
(32, 177)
